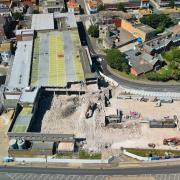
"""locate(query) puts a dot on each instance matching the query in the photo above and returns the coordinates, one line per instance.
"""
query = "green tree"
(116, 60)
(171, 4)
(100, 7)
(120, 7)
(35, 11)
(93, 31)
(157, 21)
(18, 16)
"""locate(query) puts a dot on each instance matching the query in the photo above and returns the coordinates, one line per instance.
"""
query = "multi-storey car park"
(48, 61)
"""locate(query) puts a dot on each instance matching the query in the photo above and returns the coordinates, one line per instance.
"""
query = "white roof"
(42, 21)
(28, 96)
(70, 18)
(20, 72)
(24, 31)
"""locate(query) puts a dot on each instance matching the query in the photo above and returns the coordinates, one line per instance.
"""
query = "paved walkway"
(43, 59)
(26, 176)
(68, 57)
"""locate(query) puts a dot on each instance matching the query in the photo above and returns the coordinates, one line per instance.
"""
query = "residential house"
(128, 4)
(92, 6)
(24, 35)
(174, 29)
(166, 3)
(5, 10)
(29, 2)
(107, 35)
(162, 43)
(5, 51)
(5, 2)
(73, 7)
(138, 30)
(142, 62)
(54, 5)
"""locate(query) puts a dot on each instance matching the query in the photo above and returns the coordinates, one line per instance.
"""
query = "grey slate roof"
(142, 63)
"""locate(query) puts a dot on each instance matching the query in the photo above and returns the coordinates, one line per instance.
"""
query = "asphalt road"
(82, 4)
(140, 86)
(126, 171)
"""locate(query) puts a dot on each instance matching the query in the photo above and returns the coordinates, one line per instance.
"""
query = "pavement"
(43, 59)
(68, 57)
(82, 4)
(31, 176)
(161, 170)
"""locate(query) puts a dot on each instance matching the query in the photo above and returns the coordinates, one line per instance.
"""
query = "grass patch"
(171, 71)
(76, 57)
(57, 74)
(123, 74)
(35, 61)
(19, 128)
(152, 152)
(67, 155)
(86, 155)
(26, 111)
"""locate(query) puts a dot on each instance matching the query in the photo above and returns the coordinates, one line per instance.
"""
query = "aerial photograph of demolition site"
(55, 108)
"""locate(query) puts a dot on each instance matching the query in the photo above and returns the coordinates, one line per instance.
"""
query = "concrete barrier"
(50, 159)
(83, 161)
(109, 80)
(136, 157)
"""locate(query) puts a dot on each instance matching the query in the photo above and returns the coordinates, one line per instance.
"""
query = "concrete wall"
(75, 161)
(136, 157)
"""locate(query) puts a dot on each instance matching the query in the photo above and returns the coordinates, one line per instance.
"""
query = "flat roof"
(144, 28)
(20, 72)
(23, 120)
(29, 96)
(118, 1)
(175, 29)
(70, 18)
(56, 59)
(24, 31)
(42, 21)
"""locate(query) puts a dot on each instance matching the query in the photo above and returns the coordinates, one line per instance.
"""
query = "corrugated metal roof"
(19, 77)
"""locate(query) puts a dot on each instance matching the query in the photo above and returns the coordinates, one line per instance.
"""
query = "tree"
(94, 31)
(81, 10)
(18, 16)
(171, 4)
(100, 7)
(120, 7)
(116, 60)
(35, 11)
(157, 21)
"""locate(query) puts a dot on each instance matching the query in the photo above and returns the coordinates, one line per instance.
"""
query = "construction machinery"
(90, 110)
(171, 141)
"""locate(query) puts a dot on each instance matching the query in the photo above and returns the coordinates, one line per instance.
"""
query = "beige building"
(138, 30)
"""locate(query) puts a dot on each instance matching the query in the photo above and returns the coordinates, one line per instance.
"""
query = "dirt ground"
(4, 125)
(67, 116)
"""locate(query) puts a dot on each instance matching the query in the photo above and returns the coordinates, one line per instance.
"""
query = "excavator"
(171, 141)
